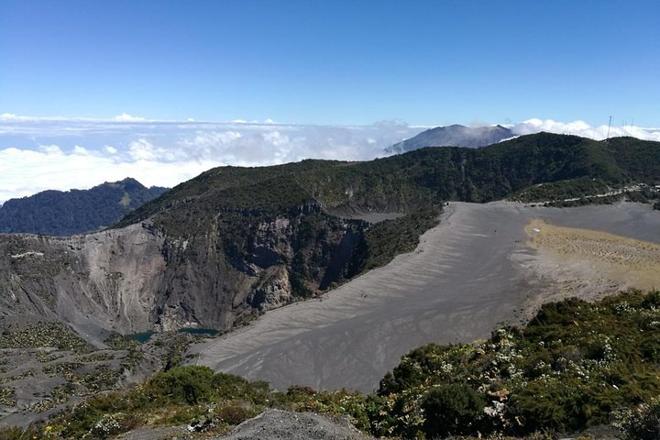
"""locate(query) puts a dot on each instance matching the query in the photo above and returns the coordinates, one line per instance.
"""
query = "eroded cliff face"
(138, 278)
(248, 264)
(103, 281)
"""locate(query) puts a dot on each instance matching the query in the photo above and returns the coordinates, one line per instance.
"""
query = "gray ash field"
(476, 270)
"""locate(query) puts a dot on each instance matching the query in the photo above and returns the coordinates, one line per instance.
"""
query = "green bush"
(190, 385)
(452, 409)
(112, 424)
(568, 369)
(234, 414)
(228, 386)
(544, 405)
(642, 422)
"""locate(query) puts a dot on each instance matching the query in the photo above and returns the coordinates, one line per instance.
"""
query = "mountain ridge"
(75, 211)
(417, 178)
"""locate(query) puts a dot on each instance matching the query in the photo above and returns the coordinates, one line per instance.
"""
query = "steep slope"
(75, 211)
(455, 136)
(217, 249)
(98, 281)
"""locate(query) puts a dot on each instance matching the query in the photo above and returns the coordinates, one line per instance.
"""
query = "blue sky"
(94, 91)
(333, 62)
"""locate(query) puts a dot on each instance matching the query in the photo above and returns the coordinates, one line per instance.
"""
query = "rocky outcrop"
(138, 278)
(273, 291)
(103, 281)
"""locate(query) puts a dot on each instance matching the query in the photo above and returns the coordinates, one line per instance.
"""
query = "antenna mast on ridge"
(609, 126)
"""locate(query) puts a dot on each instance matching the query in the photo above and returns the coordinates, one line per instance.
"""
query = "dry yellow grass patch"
(633, 263)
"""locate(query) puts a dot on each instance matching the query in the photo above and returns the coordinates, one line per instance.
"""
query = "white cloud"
(276, 138)
(210, 138)
(142, 149)
(125, 117)
(581, 128)
(65, 154)
(80, 151)
(49, 153)
(8, 117)
(50, 149)
(24, 172)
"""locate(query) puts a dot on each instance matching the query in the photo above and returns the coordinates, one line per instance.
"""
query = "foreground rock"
(280, 425)
(161, 433)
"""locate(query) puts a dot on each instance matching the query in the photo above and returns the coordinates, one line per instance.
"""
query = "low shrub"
(233, 414)
(452, 409)
(568, 369)
(641, 422)
(189, 385)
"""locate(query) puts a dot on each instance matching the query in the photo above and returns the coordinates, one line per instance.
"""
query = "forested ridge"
(75, 211)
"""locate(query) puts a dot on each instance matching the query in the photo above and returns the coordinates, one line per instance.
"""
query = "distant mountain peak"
(130, 180)
(128, 184)
(454, 135)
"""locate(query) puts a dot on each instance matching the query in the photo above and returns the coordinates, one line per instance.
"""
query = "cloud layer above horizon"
(59, 153)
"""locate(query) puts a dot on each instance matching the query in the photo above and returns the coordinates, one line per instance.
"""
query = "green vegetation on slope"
(406, 182)
(44, 334)
(575, 365)
(384, 240)
(562, 190)
(240, 210)
(571, 367)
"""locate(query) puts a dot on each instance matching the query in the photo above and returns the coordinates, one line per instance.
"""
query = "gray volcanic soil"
(272, 424)
(467, 275)
(275, 424)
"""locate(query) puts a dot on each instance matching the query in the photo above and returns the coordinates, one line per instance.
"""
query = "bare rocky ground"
(42, 380)
(150, 433)
(272, 424)
(284, 425)
(470, 273)
(38, 382)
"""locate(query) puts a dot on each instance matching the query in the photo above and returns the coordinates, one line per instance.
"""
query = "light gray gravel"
(283, 425)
